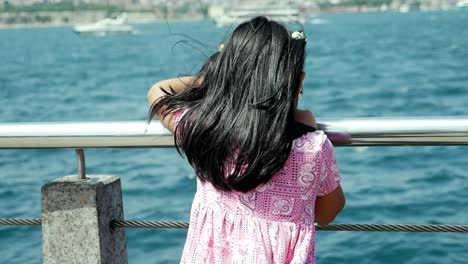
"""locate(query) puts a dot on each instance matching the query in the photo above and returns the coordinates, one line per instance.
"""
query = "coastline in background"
(362, 65)
(39, 13)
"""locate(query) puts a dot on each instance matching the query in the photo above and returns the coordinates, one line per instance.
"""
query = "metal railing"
(407, 131)
(404, 131)
(329, 227)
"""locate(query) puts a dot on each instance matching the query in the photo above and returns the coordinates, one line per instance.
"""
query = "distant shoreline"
(50, 25)
(49, 19)
(44, 25)
(70, 18)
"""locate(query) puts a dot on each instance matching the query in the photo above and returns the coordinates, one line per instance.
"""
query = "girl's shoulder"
(309, 139)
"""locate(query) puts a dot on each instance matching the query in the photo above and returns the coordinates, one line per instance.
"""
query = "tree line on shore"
(109, 8)
(59, 7)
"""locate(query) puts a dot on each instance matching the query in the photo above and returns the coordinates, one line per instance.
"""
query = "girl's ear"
(302, 76)
(300, 90)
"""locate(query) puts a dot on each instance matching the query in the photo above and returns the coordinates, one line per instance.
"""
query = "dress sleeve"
(329, 175)
(178, 116)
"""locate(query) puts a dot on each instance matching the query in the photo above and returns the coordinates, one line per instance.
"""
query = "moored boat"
(106, 26)
(462, 4)
(223, 16)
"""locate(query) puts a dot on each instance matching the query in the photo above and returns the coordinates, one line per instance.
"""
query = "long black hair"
(239, 121)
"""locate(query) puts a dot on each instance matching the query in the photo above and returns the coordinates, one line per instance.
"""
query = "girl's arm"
(176, 85)
(327, 207)
(330, 199)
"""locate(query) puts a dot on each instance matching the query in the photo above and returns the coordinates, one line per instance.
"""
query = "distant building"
(305, 5)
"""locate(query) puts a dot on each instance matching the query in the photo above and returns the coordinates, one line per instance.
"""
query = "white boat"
(238, 15)
(107, 26)
(405, 8)
(462, 4)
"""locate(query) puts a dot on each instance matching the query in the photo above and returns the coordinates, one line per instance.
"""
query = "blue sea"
(358, 65)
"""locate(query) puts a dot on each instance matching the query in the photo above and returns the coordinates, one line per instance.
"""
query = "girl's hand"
(176, 85)
(305, 117)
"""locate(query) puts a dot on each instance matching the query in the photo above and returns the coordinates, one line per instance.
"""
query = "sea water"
(358, 65)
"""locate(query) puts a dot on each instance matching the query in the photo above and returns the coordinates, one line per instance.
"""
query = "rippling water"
(413, 64)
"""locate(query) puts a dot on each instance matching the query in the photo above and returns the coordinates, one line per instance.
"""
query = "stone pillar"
(76, 216)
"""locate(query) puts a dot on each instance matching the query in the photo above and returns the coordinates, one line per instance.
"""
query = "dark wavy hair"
(238, 127)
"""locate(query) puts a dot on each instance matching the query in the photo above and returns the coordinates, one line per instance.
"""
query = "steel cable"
(331, 227)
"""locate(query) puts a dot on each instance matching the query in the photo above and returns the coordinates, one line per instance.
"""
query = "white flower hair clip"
(298, 35)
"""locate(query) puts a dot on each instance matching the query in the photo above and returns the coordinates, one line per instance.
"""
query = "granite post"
(76, 217)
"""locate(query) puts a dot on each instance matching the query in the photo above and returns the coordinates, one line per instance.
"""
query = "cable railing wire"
(20, 221)
(330, 227)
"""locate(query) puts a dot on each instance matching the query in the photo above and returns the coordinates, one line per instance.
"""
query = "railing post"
(76, 217)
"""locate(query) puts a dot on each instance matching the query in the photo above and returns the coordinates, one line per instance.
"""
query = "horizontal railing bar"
(403, 131)
(330, 227)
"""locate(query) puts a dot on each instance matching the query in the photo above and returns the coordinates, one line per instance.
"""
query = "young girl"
(265, 173)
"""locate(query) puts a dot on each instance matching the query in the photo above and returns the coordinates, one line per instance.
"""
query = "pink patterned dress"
(273, 223)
